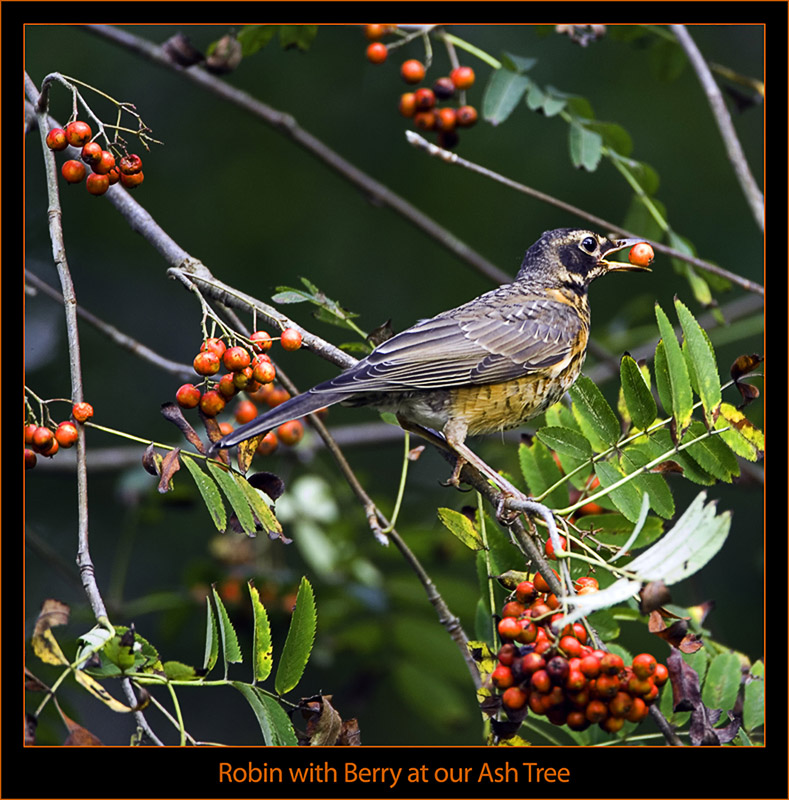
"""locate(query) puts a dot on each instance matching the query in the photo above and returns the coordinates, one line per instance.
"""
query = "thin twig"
(287, 125)
(453, 158)
(750, 189)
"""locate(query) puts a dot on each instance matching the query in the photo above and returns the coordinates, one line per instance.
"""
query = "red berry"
(549, 551)
(290, 433)
(206, 363)
(525, 591)
(236, 358)
(212, 403)
(226, 387)
(541, 681)
(540, 583)
(586, 582)
(30, 459)
(215, 346)
(446, 118)
(91, 153)
(246, 411)
(131, 181)
(188, 396)
(644, 666)
(528, 631)
(78, 133)
(242, 378)
(612, 724)
(620, 704)
(611, 664)
(73, 171)
(130, 164)
(509, 628)
(661, 674)
(114, 175)
(466, 116)
(462, 77)
(514, 698)
(277, 396)
(639, 687)
(268, 444)
(641, 254)
(290, 339)
(532, 662)
(66, 434)
(571, 646)
(373, 32)
(576, 680)
(43, 439)
(412, 71)
(577, 721)
(607, 685)
(596, 711)
(638, 710)
(425, 120)
(262, 341)
(501, 677)
(262, 369)
(97, 184)
(424, 99)
(105, 164)
(82, 411)
(56, 139)
(377, 52)
(507, 654)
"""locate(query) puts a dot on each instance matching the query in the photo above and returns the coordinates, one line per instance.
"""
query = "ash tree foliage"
(582, 611)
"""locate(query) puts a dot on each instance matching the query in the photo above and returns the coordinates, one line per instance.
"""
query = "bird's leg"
(455, 435)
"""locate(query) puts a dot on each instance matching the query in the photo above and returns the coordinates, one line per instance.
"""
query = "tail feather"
(295, 408)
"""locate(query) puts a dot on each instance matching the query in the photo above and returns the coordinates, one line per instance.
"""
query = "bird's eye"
(589, 244)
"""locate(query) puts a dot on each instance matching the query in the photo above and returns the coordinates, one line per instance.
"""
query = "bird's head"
(574, 257)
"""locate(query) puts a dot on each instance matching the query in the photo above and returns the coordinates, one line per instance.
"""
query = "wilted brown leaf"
(79, 736)
(654, 595)
(172, 413)
(169, 465)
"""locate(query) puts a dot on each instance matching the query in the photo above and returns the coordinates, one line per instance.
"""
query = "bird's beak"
(623, 266)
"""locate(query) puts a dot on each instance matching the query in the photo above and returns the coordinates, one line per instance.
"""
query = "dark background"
(260, 212)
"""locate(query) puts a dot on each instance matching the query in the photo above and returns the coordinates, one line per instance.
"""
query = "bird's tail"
(295, 408)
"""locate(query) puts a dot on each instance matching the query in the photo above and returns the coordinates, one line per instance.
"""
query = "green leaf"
(285, 294)
(722, 683)
(701, 361)
(535, 97)
(586, 147)
(638, 398)
(659, 443)
(211, 638)
(262, 648)
(661, 500)
(235, 496)
(517, 64)
(711, 453)
(615, 137)
(460, 526)
(258, 504)
(254, 37)
(176, 671)
(209, 492)
(274, 723)
(592, 412)
(299, 641)
(753, 703)
(300, 36)
(540, 471)
(566, 442)
(627, 497)
(667, 59)
(231, 651)
(678, 378)
(502, 94)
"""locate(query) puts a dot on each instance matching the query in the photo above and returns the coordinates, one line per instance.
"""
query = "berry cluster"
(422, 104)
(104, 170)
(45, 441)
(249, 369)
(550, 669)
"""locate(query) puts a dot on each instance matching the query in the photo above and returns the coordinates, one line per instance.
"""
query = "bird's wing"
(464, 346)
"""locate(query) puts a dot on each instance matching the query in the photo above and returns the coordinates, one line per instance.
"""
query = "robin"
(485, 366)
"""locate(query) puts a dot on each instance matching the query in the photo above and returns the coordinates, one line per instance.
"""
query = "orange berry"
(290, 433)
(105, 164)
(78, 133)
(462, 77)
(43, 439)
(412, 71)
(66, 434)
(377, 52)
(466, 116)
(214, 345)
(188, 396)
(91, 153)
(131, 181)
(212, 403)
(268, 444)
(246, 411)
(130, 164)
(261, 340)
(236, 358)
(407, 104)
(290, 339)
(97, 184)
(82, 411)
(641, 254)
(206, 363)
(56, 139)
(73, 171)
